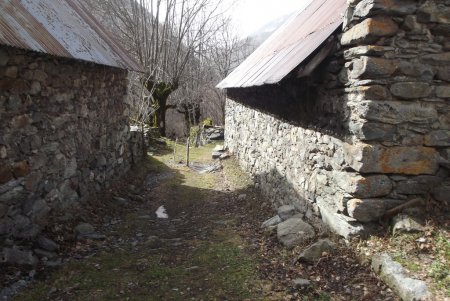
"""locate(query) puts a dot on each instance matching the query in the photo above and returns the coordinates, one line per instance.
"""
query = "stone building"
(64, 130)
(344, 111)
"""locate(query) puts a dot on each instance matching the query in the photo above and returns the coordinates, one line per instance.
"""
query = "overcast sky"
(250, 15)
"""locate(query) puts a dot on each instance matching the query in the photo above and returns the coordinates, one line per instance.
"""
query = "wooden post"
(196, 144)
(175, 150)
(398, 209)
(144, 149)
(187, 152)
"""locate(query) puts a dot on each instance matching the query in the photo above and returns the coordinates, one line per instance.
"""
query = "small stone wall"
(394, 144)
(64, 135)
(289, 163)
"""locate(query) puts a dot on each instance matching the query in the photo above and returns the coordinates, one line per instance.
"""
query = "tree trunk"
(161, 92)
(162, 121)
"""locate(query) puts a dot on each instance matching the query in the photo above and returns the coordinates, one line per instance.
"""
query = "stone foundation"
(64, 135)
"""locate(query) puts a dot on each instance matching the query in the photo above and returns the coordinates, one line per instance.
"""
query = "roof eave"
(289, 46)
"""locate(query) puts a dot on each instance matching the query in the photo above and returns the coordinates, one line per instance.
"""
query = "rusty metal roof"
(289, 45)
(62, 28)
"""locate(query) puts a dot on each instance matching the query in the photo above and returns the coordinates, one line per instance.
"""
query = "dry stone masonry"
(377, 132)
(64, 135)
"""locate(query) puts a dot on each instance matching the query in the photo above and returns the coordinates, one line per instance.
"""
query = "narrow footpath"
(210, 246)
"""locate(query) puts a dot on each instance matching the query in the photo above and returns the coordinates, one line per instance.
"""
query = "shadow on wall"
(307, 168)
(314, 102)
(316, 205)
(315, 202)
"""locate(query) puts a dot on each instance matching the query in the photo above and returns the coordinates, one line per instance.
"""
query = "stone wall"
(394, 144)
(398, 73)
(289, 163)
(64, 135)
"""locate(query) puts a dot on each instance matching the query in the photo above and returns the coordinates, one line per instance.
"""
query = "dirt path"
(210, 247)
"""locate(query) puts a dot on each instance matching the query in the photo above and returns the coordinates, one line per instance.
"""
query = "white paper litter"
(161, 212)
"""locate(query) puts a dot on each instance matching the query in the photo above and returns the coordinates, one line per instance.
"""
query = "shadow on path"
(194, 254)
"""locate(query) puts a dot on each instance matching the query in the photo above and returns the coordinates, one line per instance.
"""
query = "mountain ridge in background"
(260, 35)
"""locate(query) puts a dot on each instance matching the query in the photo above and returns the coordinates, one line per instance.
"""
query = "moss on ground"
(440, 268)
(215, 270)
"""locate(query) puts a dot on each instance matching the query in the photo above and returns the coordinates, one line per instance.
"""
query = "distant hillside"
(260, 35)
(250, 43)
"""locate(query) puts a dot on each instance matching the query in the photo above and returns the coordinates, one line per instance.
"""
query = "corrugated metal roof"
(62, 28)
(288, 46)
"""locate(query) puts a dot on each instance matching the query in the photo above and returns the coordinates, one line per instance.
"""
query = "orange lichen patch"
(365, 185)
(366, 158)
(21, 169)
(382, 26)
(408, 160)
(20, 121)
(13, 85)
(369, 30)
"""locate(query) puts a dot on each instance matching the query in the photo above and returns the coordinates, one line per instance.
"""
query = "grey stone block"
(286, 211)
(273, 221)
(366, 210)
(18, 255)
(47, 244)
(294, 231)
(339, 224)
(315, 251)
(393, 274)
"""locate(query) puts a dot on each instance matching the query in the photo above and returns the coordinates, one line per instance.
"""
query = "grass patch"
(200, 154)
(440, 268)
(153, 164)
(223, 270)
(411, 250)
(186, 186)
(236, 176)
(108, 276)
(234, 268)
(406, 262)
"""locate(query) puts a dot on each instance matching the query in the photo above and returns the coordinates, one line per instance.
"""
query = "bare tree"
(225, 52)
(164, 35)
(212, 60)
(186, 46)
(227, 49)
